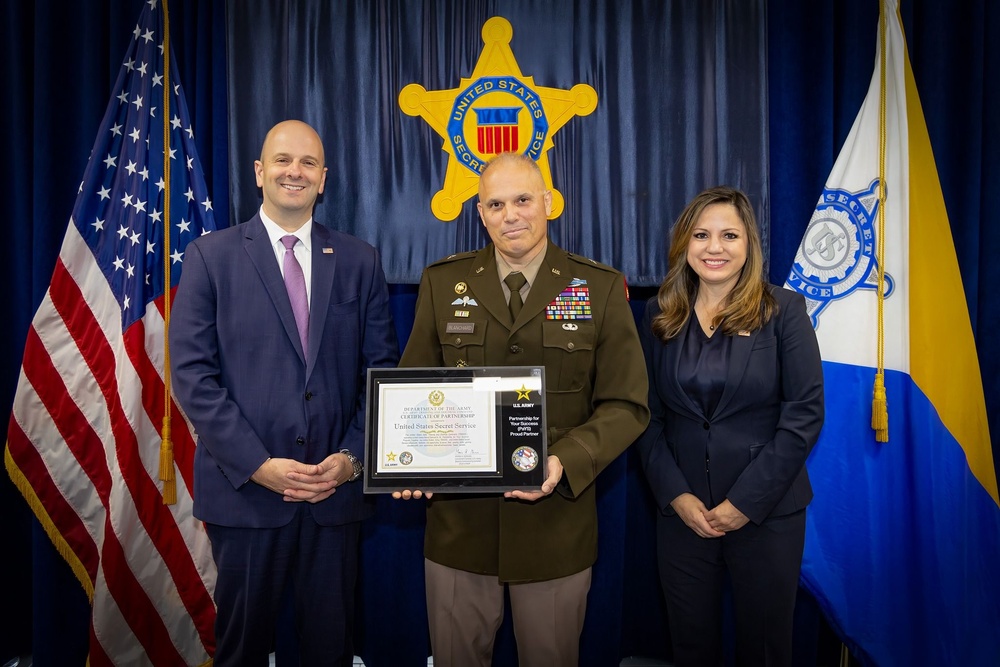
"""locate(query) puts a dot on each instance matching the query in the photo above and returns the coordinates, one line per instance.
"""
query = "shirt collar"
(529, 271)
(274, 232)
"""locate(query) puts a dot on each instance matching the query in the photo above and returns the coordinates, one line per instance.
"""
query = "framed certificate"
(459, 430)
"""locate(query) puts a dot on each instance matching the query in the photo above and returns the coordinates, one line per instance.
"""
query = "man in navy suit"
(274, 325)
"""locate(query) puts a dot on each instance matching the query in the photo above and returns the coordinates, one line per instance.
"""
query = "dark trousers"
(763, 564)
(256, 565)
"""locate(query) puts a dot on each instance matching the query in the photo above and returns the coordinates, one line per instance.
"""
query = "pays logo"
(497, 109)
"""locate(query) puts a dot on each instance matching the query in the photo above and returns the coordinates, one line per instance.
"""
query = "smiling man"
(529, 303)
(274, 325)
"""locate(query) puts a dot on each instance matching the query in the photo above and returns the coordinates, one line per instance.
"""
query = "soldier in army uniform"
(575, 321)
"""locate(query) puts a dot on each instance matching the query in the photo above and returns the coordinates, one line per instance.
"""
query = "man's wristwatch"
(358, 466)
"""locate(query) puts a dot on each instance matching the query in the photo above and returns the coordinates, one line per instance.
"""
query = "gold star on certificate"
(523, 394)
(497, 109)
(391, 456)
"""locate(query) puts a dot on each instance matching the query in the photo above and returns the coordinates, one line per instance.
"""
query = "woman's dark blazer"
(753, 449)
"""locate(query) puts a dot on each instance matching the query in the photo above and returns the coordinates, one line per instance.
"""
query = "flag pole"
(167, 474)
(880, 411)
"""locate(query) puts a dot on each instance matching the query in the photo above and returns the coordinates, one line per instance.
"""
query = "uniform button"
(515, 349)
(300, 440)
(309, 395)
(571, 346)
(705, 426)
(458, 341)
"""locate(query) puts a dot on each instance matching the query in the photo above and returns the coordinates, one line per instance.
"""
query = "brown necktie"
(515, 281)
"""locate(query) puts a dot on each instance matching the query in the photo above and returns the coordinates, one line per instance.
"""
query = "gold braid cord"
(167, 474)
(880, 410)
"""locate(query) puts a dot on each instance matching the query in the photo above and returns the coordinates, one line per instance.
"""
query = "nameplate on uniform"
(460, 327)
(457, 430)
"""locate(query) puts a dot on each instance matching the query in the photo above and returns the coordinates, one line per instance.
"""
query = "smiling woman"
(716, 251)
(735, 413)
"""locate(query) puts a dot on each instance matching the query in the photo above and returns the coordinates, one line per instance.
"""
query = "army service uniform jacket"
(596, 393)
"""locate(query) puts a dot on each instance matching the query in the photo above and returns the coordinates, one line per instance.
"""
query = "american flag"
(84, 438)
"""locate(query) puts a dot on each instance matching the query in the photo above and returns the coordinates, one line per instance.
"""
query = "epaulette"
(586, 261)
(454, 258)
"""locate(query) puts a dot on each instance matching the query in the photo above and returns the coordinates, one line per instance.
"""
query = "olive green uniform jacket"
(596, 393)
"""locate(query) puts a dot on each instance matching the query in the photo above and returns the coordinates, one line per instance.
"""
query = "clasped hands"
(555, 469)
(715, 522)
(304, 482)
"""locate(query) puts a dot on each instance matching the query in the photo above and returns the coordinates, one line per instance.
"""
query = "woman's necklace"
(708, 316)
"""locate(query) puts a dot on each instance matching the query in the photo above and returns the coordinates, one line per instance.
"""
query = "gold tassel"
(167, 465)
(880, 410)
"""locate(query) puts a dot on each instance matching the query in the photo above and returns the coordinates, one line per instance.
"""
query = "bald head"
(292, 128)
(291, 172)
(510, 160)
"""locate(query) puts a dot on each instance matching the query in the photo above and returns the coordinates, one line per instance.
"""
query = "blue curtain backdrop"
(678, 79)
(59, 62)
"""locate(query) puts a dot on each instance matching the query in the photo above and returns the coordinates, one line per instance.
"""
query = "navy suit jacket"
(753, 450)
(241, 378)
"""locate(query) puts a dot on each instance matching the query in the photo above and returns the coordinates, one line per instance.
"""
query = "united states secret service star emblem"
(837, 253)
(497, 109)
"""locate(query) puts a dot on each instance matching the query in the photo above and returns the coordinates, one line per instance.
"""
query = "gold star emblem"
(496, 109)
(523, 394)
(391, 456)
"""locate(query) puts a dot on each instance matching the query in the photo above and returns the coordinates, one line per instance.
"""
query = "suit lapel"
(258, 246)
(739, 357)
(324, 265)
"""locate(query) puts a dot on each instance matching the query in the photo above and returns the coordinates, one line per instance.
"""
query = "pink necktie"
(295, 283)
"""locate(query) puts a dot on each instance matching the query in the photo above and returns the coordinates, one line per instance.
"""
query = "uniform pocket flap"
(569, 335)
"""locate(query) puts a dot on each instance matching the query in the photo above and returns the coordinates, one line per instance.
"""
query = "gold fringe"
(880, 410)
(60, 543)
(167, 465)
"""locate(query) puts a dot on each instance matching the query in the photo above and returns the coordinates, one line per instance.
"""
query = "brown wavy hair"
(748, 306)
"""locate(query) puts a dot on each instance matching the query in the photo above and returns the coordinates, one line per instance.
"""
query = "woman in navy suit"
(736, 395)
